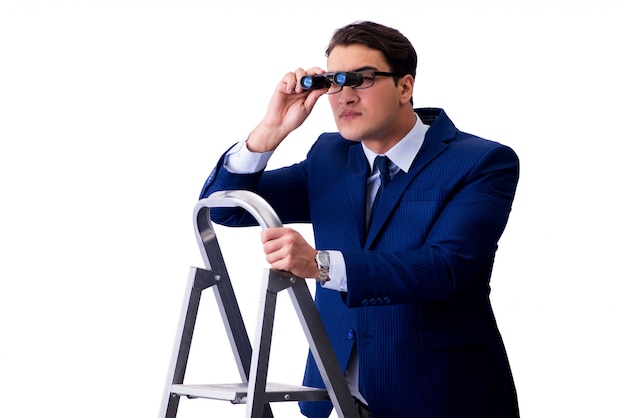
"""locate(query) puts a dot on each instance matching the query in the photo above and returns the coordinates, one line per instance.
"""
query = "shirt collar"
(404, 152)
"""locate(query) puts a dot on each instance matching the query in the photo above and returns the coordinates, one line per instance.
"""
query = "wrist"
(264, 138)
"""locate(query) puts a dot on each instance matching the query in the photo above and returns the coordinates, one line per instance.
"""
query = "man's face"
(370, 115)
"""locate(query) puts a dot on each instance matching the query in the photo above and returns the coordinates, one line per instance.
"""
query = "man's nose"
(348, 95)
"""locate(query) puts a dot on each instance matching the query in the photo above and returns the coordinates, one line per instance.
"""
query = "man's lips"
(349, 114)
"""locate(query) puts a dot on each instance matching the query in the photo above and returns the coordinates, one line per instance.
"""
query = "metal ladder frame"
(252, 361)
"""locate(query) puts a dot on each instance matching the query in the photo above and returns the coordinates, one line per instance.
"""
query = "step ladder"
(252, 361)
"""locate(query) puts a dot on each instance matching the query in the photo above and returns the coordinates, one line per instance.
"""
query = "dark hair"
(396, 48)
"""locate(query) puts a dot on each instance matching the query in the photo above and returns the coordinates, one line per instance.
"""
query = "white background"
(112, 114)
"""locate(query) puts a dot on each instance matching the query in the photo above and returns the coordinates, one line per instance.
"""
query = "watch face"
(323, 258)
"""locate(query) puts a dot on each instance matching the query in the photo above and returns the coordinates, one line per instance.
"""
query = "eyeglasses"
(335, 82)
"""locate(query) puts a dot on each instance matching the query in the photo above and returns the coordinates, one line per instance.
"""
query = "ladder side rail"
(224, 292)
(322, 350)
(273, 281)
(261, 351)
(198, 280)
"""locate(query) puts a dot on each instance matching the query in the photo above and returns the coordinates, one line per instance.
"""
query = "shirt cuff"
(337, 273)
(240, 160)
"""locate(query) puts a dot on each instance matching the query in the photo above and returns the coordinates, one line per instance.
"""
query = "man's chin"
(350, 135)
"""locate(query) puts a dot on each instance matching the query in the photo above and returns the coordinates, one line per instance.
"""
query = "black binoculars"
(324, 81)
(316, 82)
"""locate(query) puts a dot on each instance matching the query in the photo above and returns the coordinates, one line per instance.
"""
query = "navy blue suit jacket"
(417, 306)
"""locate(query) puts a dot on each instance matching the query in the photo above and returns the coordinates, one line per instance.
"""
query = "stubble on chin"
(349, 132)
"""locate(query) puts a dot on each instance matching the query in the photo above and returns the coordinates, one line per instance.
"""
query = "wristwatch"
(323, 263)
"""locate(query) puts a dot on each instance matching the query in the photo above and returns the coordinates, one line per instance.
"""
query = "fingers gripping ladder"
(252, 361)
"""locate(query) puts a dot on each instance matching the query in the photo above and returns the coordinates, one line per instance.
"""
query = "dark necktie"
(382, 163)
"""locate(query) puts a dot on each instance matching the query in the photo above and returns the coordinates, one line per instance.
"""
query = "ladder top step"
(237, 393)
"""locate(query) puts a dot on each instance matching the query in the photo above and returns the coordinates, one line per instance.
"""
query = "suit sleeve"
(284, 189)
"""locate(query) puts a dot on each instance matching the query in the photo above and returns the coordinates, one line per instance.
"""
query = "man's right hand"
(288, 109)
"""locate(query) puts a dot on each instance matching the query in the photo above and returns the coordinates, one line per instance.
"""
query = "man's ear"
(405, 84)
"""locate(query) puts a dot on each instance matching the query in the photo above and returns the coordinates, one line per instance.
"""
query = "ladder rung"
(237, 393)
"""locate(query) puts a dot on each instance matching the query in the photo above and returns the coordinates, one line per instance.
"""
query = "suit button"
(365, 302)
(350, 334)
(372, 301)
(380, 301)
(387, 300)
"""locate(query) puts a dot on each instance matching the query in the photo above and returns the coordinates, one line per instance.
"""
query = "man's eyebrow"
(369, 67)
(365, 68)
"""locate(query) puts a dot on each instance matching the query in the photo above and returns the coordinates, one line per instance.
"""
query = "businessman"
(407, 211)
